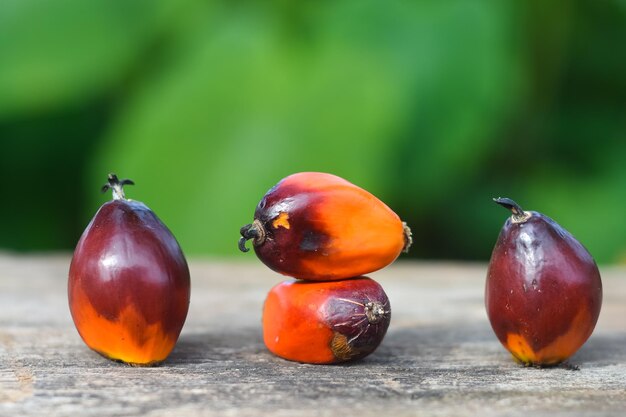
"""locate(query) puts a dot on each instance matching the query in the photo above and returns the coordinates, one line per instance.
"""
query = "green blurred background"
(434, 106)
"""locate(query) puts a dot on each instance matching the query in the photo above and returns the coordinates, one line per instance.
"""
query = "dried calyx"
(117, 186)
(408, 237)
(374, 312)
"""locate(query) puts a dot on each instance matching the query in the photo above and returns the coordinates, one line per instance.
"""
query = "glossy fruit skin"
(325, 322)
(129, 285)
(543, 292)
(318, 226)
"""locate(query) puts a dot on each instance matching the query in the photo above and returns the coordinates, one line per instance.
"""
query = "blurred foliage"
(433, 106)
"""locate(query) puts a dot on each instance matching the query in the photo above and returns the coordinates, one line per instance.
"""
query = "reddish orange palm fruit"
(128, 282)
(318, 226)
(325, 322)
(543, 291)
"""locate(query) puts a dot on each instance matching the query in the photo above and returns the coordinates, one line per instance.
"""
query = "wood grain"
(440, 357)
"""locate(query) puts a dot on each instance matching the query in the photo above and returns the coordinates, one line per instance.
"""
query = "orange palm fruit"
(325, 322)
(318, 226)
(543, 292)
(128, 285)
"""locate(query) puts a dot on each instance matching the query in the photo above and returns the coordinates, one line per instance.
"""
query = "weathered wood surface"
(440, 357)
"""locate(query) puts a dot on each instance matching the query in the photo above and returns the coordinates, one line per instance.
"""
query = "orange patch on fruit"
(292, 328)
(129, 338)
(520, 349)
(365, 234)
(281, 221)
(559, 350)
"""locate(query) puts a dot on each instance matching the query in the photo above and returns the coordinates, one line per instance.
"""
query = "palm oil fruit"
(543, 292)
(318, 226)
(325, 322)
(129, 282)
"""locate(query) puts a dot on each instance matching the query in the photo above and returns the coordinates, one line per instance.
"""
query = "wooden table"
(440, 357)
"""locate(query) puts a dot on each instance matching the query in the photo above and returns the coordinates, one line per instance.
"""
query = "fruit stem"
(117, 186)
(254, 231)
(519, 215)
